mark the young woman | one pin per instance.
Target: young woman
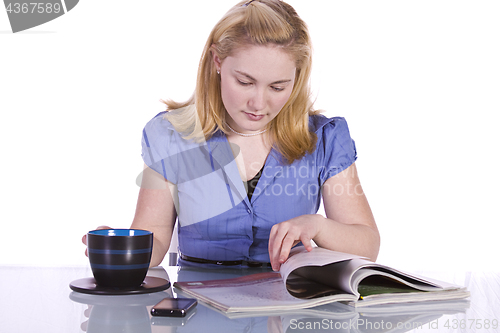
(242, 166)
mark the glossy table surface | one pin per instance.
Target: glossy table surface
(38, 299)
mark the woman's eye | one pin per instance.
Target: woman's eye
(244, 83)
(278, 88)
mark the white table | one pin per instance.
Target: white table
(38, 299)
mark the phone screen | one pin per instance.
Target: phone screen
(173, 307)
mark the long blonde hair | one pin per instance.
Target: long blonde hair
(257, 22)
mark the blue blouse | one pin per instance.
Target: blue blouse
(216, 219)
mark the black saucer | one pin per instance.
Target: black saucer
(150, 285)
(119, 300)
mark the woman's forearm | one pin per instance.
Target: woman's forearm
(357, 239)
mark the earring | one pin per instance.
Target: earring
(218, 72)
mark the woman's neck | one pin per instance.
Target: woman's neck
(251, 153)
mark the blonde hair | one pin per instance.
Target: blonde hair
(258, 22)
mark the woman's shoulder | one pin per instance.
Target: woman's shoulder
(159, 134)
(162, 126)
(159, 122)
(335, 149)
(322, 125)
(167, 131)
(180, 122)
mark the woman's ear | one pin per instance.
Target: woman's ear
(215, 58)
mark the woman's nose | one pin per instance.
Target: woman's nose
(257, 101)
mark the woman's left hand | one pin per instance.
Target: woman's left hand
(348, 227)
(287, 234)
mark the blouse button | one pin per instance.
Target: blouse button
(249, 211)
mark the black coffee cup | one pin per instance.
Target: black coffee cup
(119, 258)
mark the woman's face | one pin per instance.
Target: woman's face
(256, 82)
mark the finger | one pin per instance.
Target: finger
(272, 238)
(84, 325)
(103, 227)
(306, 241)
(278, 233)
(84, 238)
(87, 312)
(286, 246)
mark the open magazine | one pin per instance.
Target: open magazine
(309, 279)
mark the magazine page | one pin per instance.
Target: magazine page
(300, 257)
(256, 292)
(326, 270)
(301, 286)
(441, 306)
(334, 310)
(330, 276)
(379, 284)
(366, 269)
(262, 289)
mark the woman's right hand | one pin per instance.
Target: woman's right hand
(84, 238)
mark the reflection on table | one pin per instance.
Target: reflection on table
(133, 313)
(53, 307)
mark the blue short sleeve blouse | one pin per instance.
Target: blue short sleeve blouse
(216, 219)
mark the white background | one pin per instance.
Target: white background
(417, 81)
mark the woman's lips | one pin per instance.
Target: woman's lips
(254, 117)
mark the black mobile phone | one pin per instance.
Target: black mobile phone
(172, 321)
(173, 307)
